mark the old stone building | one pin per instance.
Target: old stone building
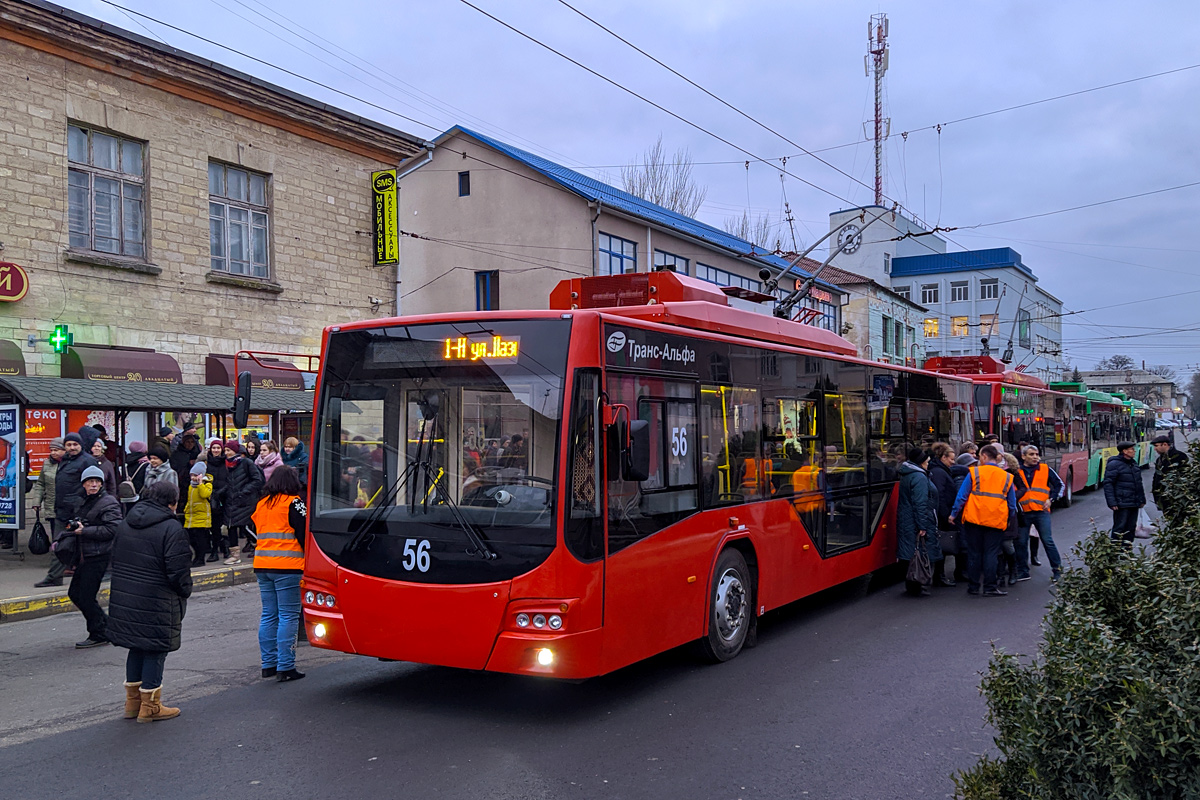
(157, 200)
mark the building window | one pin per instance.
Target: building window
(903, 291)
(487, 290)
(106, 192)
(987, 325)
(959, 291)
(931, 327)
(1023, 327)
(989, 289)
(617, 256)
(725, 278)
(899, 338)
(929, 293)
(887, 263)
(464, 184)
(238, 221)
(887, 335)
(670, 262)
(960, 326)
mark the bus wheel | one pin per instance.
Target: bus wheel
(731, 612)
(1065, 502)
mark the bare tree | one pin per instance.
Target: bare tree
(665, 182)
(756, 231)
(1163, 371)
(1116, 362)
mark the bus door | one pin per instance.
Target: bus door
(656, 568)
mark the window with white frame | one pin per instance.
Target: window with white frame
(723, 277)
(959, 290)
(238, 221)
(904, 291)
(989, 289)
(671, 262)
(929, 293)
(617, 255)
(960, 326)
(106, 192)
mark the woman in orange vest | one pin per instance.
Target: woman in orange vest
(985, 504)
(281, 521)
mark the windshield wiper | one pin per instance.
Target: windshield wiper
(361, 532)
(478, 545)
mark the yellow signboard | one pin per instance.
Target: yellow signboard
(385, 193)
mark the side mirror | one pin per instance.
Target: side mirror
(636, 466)
(241, 403)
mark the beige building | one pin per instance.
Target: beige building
(158, 200)
(497, 227)
(1138, 384)
(883, 325)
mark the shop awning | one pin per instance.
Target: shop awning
(39, 392)
(12, 360)
(127, 364)
(221, 371)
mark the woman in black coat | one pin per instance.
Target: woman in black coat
(151, 581)
(215, 460)
(244, 483)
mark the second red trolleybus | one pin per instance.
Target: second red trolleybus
(566, 492)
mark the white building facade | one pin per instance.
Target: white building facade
(971, 295)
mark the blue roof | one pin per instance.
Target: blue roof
(995, 258)
(612, 197)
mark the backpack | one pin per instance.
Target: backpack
(126, 491)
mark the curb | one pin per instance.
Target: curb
(19, 608)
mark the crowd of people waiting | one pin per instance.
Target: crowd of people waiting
(177, 507)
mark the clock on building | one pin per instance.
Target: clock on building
(850, 238)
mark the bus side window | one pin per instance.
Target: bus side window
(638, 509)
(584, 534)
(732, 468)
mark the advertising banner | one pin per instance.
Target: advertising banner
(385, 202)
(12, 489)
(41, 425)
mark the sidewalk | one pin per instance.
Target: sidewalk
(20, 600)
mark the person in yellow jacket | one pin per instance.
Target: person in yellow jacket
(197, 512)
(280, 521)
(986, 502)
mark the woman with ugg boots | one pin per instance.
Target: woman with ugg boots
(151, 581)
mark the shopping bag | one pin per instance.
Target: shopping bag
(39, 540)
(1144, 529)
(920, 571)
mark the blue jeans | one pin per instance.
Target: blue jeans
(1041, 521)
(144, 666)
(280, 619)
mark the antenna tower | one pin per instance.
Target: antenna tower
(876, 61)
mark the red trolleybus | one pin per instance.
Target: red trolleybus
(566, 492)
(1021, 408)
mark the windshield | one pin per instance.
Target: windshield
(441, 438)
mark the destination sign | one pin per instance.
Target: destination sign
(494, 348)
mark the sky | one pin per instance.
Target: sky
(1125, 267)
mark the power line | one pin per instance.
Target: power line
(1086, 205)
(265, 63)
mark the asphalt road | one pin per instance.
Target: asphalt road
(858, 693)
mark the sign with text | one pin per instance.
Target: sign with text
(41, 425)
(14, 282)
(386, 206)
(12, 486)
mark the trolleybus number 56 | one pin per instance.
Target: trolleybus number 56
(416, 555)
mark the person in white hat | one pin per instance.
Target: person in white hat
(94, 526)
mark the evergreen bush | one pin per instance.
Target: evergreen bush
(1110, 708)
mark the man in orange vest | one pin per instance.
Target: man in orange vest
(1037, 487)
(985, 503)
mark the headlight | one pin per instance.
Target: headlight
(545, 657)
(555, 622)
(329, 601)
(320, 599)
(319, 630)
(309, 597)
(539, 620)
(522, 620)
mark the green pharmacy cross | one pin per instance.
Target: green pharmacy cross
(61, 339)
